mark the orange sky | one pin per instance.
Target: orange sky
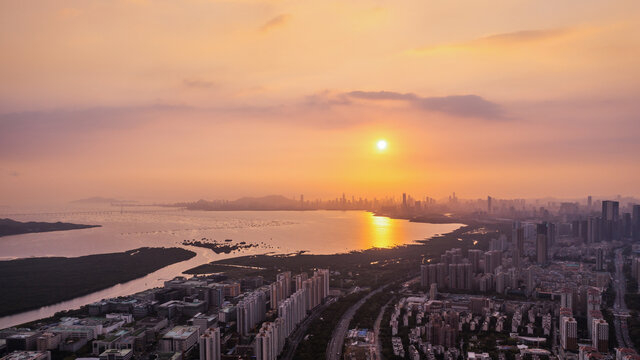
(178, 100)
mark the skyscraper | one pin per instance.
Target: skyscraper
(599, 259)
(517, 244)
(210, 344)
(593, 230)
(600, 335)
(541, 244)
(635, 219)
(569, 333)
(433, 291)
(610, 226)
(474, 256)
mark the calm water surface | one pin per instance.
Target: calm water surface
(318, 232)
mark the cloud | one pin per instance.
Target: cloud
(519, 37)
(198, 83)
(275, 22)
(509, 39)
(458, 105)
(13, 174)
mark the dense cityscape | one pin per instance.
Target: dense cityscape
(554, 282)
(319, 180)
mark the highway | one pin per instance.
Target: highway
(334, 348)
(376, 331)
(620, 311)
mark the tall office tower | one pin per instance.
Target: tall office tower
(404, 200)
(461, 276)
(517, 246)
(309, 301)
(428, 274)
(589, 203)
(292, 311)
(270, 341)
(276, 296)
(600, 335)
(285, 278)
(541, 244)
(500, 282)
(583, 231)
(210, 344)
(593, 235)
(216, 295)
(626, 226)
(242, 323)
(492, 259)
(566, 298)
(299, 279)
(433, 274)
(445, 258)
(442, 275)
(551, 235)
(635, 228)
(468, 276)
(489, 204)
(599, 259)
(610, 221)
(453, 276)
(433, 291)
(569, 333)
(424, 275)
(474, 258)
(531, 279)
(324, 275)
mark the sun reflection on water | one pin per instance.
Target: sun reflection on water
(382, 232)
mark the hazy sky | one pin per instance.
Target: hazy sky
(180, 100)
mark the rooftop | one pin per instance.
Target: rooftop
(25, 355)
(181, 332)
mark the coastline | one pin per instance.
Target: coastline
(411, 255)
(10, 227)
(26, 282)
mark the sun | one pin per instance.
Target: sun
(382, 145)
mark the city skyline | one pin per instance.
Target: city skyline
(206, 99)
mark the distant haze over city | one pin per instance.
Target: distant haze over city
(220, 100)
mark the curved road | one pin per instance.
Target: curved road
(376, 330)
(334, 348)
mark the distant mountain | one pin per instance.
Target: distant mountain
(12, 227)
(100, 200)
(270, 202)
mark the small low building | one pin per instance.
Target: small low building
(117, 354)
(28, 355)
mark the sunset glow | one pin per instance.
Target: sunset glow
(168, 101)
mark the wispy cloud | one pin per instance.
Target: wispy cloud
(508, 39)
(524, 36)
(458, 105)
(275, 22)
(198, 83)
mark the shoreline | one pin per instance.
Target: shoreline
(434, 244)
(10, 227)
(46, 276)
